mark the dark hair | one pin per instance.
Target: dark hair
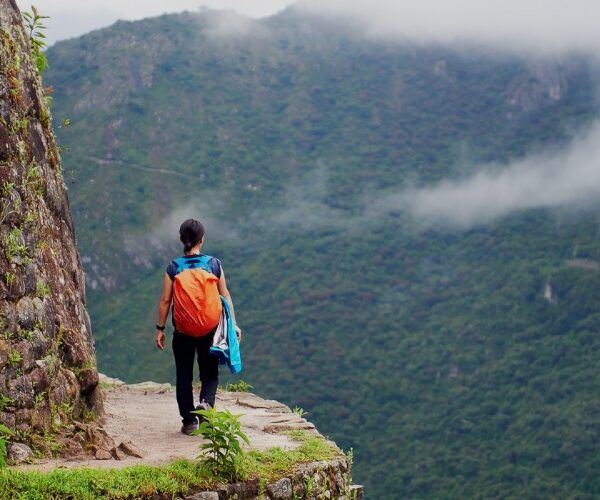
(190, 233)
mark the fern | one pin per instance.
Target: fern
(34, 22)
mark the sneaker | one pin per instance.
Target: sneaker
(202, 406)
(187, 429)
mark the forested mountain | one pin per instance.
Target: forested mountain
(457, 362)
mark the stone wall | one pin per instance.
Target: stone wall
(47, 362)
(319, 480)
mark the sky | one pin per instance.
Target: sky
(70, 18)
(535, 25)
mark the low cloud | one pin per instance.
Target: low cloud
(229, 24)
(304, 206)
(553, 26)
(567, 178)
(163, 242)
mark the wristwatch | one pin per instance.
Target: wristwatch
(161, 328)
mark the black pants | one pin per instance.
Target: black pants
(184, 350)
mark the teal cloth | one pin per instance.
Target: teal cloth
(230, 355)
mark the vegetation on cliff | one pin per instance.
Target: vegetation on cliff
(47, 364)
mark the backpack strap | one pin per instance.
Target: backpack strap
(198, 262)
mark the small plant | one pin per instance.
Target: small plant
(5, 434)
(350, 457)
(13, 247)
(9, 278)
(34, 22)
(40, 245)
(39, 399)
(309, 485)
(223, 452)
(7, 188)
(33, 179)
(5, 402)
(239, 386)
(88, 415)
(299, 411)
(25, 334)
(45, 114)
(30, 217)
(42, 289)
(14, 357)
(59, 415)
(19, 126)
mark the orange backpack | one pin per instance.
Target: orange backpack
(196, 301)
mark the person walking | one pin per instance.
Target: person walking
(193, 285)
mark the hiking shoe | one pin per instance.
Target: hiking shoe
(202, 406)
(187, 429)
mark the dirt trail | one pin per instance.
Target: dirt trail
(146, 414)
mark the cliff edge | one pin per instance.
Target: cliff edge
(289, 458)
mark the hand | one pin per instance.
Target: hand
(238, 331)
(160, 339)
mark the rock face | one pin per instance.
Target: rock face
(47, 363)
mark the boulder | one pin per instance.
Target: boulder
(280, 490)
(130, 449)
(103, 454)
(19, 453)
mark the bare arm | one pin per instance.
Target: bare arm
(163, 310)
(224, 291)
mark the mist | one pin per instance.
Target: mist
(554, 179)
(549, 27)
(567, 178)
(163, 240)
(229, 24)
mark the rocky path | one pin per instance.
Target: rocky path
(146, 415)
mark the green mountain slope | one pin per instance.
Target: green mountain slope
(432, 352)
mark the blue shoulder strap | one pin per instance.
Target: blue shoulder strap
(199, 262)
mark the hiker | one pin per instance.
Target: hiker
(194, 284)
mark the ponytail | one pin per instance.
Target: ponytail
(191, 233)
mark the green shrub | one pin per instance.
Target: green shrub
(5, 402)
(42, 289)
(239, 386)
(223, 452)
(14, 357)
(298, 410)
(5, 433)
(13, 247)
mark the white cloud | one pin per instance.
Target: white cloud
(566, 178)
(231, 24)
(569, 178)
(536, 25)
